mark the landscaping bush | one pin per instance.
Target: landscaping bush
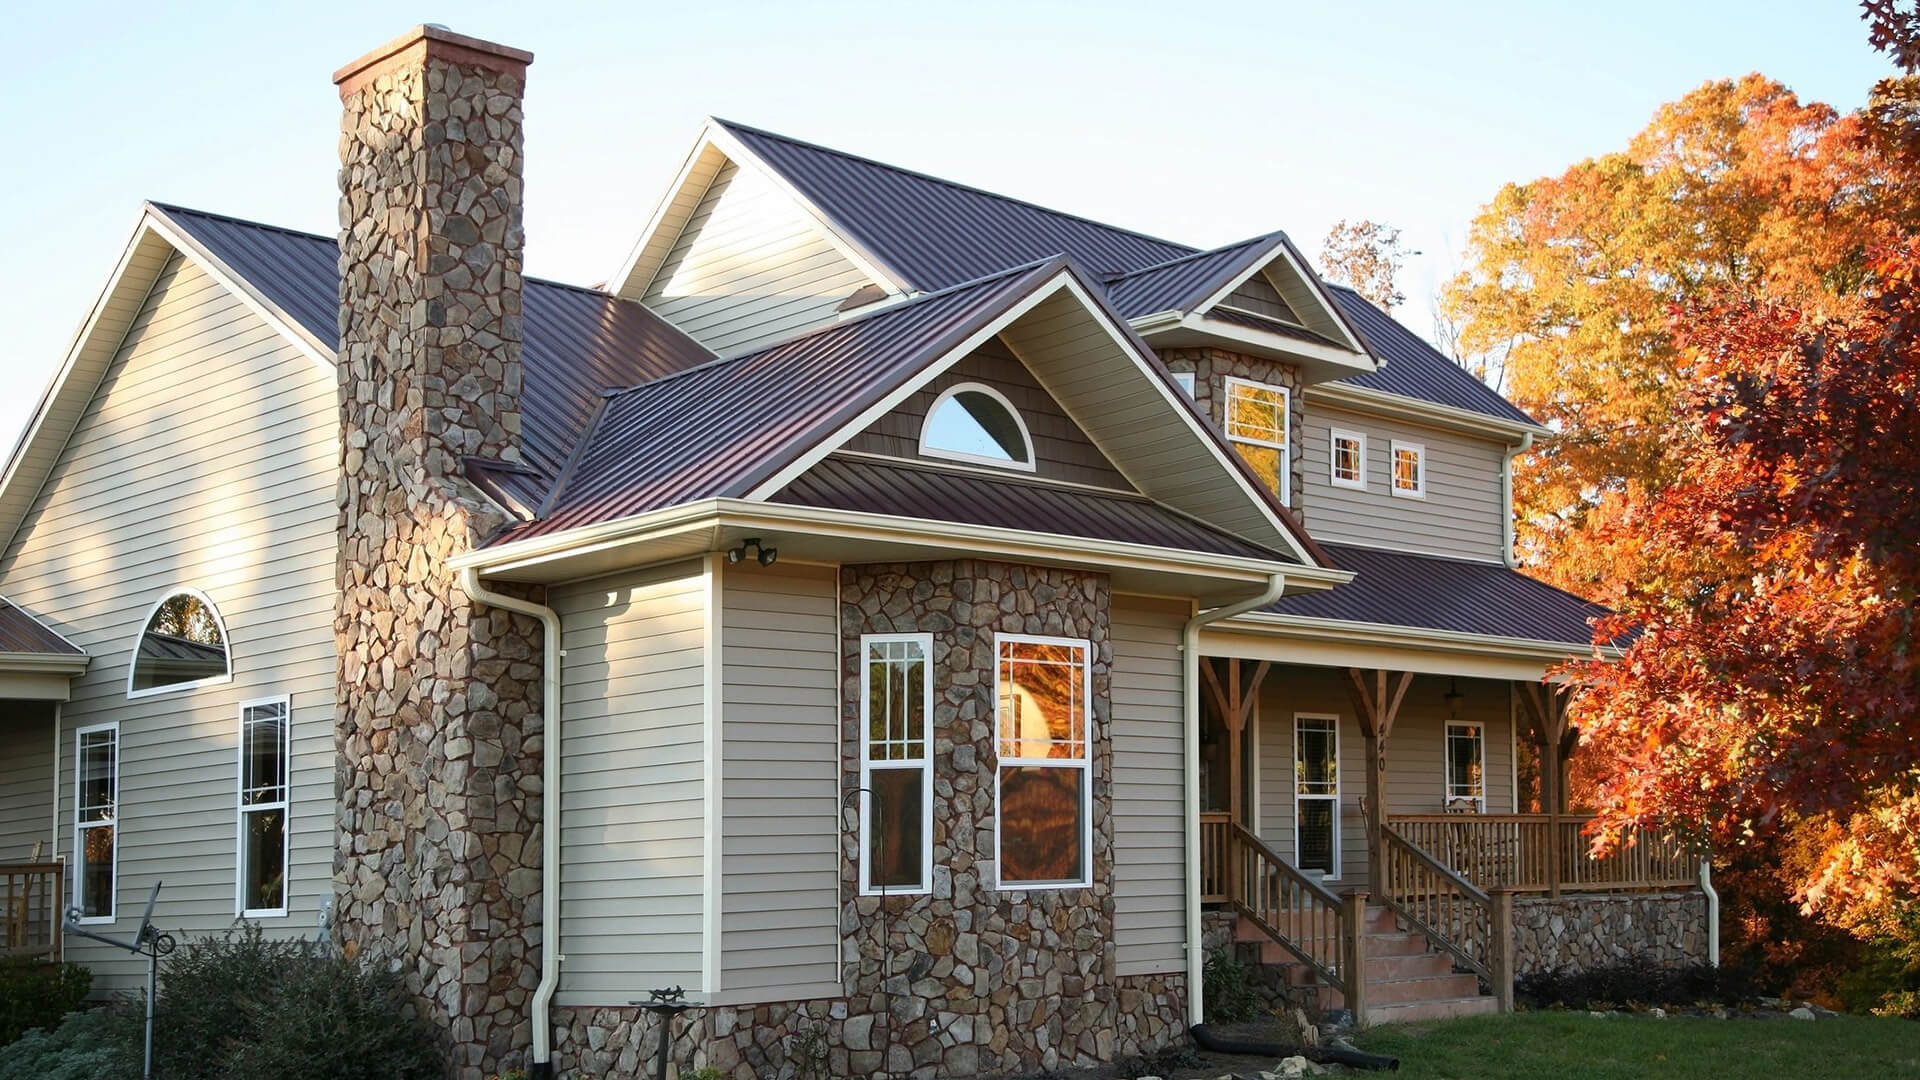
(241, 1006)
(1229, 988)
(1639, 981)
(98, 1044)
(36, 994)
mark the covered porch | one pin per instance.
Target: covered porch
(37, 666)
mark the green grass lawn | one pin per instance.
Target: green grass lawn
(1576, 1046)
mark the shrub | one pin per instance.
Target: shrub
(241, 1006)
(36, 994)
(1229, 989)
(99, 1044)
(1638, 980)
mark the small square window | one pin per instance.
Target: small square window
(1348, 453)
(1409, 470)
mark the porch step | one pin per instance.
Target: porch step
(1407, 979)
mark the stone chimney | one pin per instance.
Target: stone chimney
(437, 855)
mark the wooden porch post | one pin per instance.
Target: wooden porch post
(1235, 703)
(1546, 706)
(1353, 920)
(1376, 702)
(1502, 959)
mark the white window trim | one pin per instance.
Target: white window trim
(1286, 429)
(285, 806)
(1359, 438)
(1026, 437)
(1446, 765)
(1339, 779)
(79, 865)
(1186, 381)
(133, 658)
(1393, 469)
(1084, 764)
(925, 765)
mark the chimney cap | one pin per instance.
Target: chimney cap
(435, 40)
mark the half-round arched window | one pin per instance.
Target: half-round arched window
(976, 423)
(182, 644)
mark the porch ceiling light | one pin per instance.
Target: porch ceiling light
(1454, 698)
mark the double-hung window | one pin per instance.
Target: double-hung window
(96, 820)
(1347, 451)
(1043, 778)
(1466, 772)
(1409, 470)
(896, 766)
(264, 745)
(1257, 427)
(1316, 800)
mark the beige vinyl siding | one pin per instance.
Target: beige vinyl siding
(1459, 518)
(750, 267)
(1415, 778)
(1149, 826)
(207, 459)
(780, 779)
(1061, 450)
(26, 779)
(633, 787)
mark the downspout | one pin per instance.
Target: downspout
(1190, 710)
(1713, 912)
(542, 1067)
(1506, 500)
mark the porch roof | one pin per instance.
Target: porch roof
(1393, 588)
(22, 635)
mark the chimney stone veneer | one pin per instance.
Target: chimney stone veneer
(437, 856)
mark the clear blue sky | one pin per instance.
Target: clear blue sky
(1198, 122)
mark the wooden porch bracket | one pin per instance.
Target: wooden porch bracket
(1546, 709)
(1376, 702)
(1234, 704)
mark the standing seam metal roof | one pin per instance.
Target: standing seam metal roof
(20, 632)
(578, 342)
(936, 232)
(1178, 284)
(1399, 589)
(939, 495)
(718, 430)
(1412, 368)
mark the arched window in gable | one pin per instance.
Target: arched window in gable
(183, 644)
(975, 423)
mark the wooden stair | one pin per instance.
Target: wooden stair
(1407, 979)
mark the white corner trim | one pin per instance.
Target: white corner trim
(712, 796)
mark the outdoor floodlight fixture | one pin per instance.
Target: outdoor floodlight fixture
(766, 555)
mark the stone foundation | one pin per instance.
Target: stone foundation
(1582, 932)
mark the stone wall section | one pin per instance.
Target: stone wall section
(438, 725)
(1212, 367)
(1584, 932)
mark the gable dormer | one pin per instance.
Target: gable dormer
(735, 259)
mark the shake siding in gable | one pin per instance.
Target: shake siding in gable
(206, 459)
(780, 775)
(1149, 839)
(633, 787)
(1459, 518)
(750, 267)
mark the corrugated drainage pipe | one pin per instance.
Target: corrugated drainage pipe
(1190, 713)
(542, 1066)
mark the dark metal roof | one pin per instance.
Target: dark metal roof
(579, 342)
(20, 632)
(938, 233)
(1178, 284)
(157, 646)
(1272, 326)
(1412, 368)
(719, 430)
(1393, 588)
(917, 491)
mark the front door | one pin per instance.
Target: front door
(1316, 801)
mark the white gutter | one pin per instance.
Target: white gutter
(1190, 713)
(1713, 912)
(1506, 501)
(1432, 413)
(549, 811)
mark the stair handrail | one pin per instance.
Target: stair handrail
(1262, 886)
(1447, 909)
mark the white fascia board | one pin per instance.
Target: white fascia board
(44, 663)
(1430, 413)
(713, 515)
(316, 350)
(1200, 323)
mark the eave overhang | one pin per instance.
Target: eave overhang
(1318, 363)
(1336, 642)
(1430, 413)
(813, 534)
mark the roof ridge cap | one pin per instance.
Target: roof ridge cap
(955, 184)
(1148, 269)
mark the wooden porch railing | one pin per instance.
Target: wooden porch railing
(30, 897)
(1440, 904)
(1545, 853)
(1323, 931)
